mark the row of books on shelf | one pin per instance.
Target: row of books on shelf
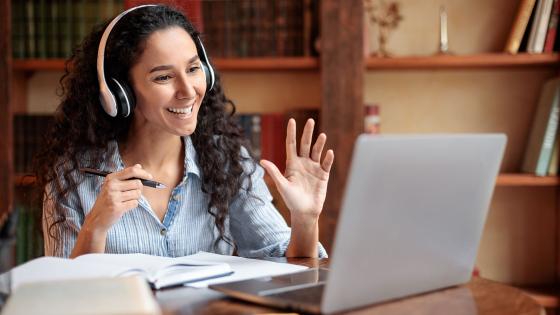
(52, 28)
(535, 27)
(241, 28)
(541, 153)
(247, 28)
(265, 134)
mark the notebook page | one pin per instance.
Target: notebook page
(243, 268)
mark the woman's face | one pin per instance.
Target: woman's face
(169, 83)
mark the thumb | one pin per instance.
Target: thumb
(274, 172)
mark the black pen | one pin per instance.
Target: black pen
(145, 182)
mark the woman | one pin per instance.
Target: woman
(180, 133)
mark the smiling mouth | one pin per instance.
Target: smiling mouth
(184, 110)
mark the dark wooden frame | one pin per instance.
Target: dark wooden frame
(342, 84)
(6, 139)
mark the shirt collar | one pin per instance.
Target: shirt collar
(191, 159)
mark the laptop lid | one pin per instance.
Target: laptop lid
(412, 216)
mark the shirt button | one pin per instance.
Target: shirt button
(163, 231)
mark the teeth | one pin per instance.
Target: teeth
(187, 110)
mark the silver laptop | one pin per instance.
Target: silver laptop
(411, 221)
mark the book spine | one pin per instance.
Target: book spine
(18, 29)
(273, 145)
(78, 23)
(552, 26)
(30, 47)
(65, 27)
(553, 166)
(519, 25)
(549, 138)
(539, 27)
(52, 29)
(41, 28)
(281, 27)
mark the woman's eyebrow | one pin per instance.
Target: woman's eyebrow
(167, 67)
(162, 67)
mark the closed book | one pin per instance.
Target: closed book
(519, 25)
(539, 27)
(552, 26)
(104, 296)
(543, 131)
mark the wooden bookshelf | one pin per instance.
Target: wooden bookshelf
(22, 180)
(223, 64)
(518, 179)
(488, 60)
(547, 295)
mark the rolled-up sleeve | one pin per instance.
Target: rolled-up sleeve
(62, 220)
(256, 225)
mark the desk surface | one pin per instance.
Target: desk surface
(479, 296)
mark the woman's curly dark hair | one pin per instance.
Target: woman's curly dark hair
(81, 126)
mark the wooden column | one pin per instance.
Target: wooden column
(342, 77)
(6, 165)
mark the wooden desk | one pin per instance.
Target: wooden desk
(479, 296)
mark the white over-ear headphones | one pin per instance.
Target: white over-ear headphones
(115, 96)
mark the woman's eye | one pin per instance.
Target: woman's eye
(162, 78)
(194, 68)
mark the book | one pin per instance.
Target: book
(539, 27)
(553, 165)
(159, 272)
(552, 28)
(128, 295)
(519, 25)
(544, 130)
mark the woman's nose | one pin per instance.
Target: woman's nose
(185, 88)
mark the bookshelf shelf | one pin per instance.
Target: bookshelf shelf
(223, 64)
(503, 180)
(511, 179)
(489, 60)
(23, 180)
(546, 295)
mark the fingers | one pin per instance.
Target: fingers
(328, 161)
(135, 171)
(318, 147)
(306, 138)
(129, 195)
(274, 172)
(291, 150)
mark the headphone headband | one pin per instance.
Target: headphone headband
(107, 98)
(124, 96)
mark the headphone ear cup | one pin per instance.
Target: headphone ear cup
(124, 97)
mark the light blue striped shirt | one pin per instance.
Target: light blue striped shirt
(255, 225)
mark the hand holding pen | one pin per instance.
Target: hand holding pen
(119, 193)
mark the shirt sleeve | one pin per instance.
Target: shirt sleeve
(60, 226)
(256, 225)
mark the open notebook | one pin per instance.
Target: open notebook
(160, 272)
